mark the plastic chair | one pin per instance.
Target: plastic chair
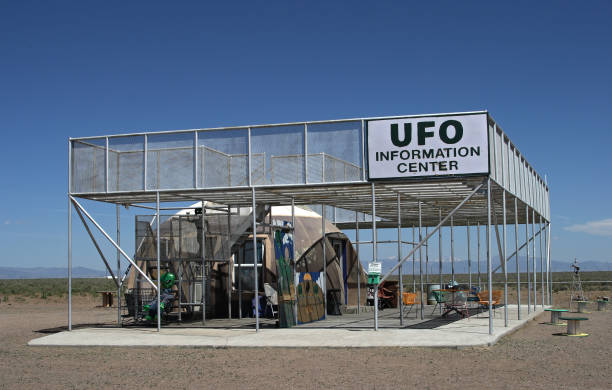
(483, 300)
(440, 298)
(408, 301)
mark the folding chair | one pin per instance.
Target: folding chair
(408, 301)
(440, 298)
(271, 300)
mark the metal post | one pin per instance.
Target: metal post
(543, 287)
(256, 292)
(158, 262)
(293, 263)
(426, 259)
(550, 265)
(203, 250)
(527, 259)
(469, 253)
(229, 263)
(399, 258)
(374, 253)
(118, 268)
(489, 273)
(421, 261)
(504, 260)
(535, 274)
(440, 252)
(452, 250)
(324, 243)
(518, 268)
(69, 263)
(413, 278)
(478, 255)
(358, 263)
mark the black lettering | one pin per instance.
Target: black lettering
(463, 151)
(423, 167)
(404, 155)
(444, 131)
(428, 153)
(422, 133)
(407, 135)
(401, 167)
(475, 151)
(453, 165)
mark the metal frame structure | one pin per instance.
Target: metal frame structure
(428, 202)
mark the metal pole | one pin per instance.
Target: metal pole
(229, 262)
(489, 273)
(413, 262)
(295, 310)
(535, 274)
(426, 259)
(504, 260)
(399, 258)
(203, 250)
(421, 261)
(374, 253)
(439, 251)
(518, 268)
(256, 292)
(358, 263)
(469, 253)
(550, 266)
(452, 251)
(158, 262)
(324, 243)
(118, 268)
(527, 259)
(543, 287)
(478, 255)
(69, 264)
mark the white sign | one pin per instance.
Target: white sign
(428, 146)
(374, 267)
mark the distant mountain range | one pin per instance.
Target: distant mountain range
(461, 266)
(48, 273)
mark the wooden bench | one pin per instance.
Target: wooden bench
(573, 325)
(554, 316)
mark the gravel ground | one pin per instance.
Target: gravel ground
(532, 357)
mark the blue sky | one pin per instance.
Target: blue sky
(90, 68)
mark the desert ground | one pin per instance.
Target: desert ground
(532, 357)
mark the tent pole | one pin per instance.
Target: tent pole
(399, 258)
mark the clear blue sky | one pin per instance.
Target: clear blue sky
(90, 68)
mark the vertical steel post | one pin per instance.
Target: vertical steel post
(469, 254)
(203, 253)
(159, 314)
(535, 274)
(324, 243)
(452, 249)
(478, 255)
(489, 273)
(505, 260)
(543, 287)
(527, 270)
(413, 261)
(516, 258)
(119, 282)
(293, 263)
(426, 259)
(440, 251)
(358, 263)
(70, 235)
(550, 270)
(421, 261)
(256, 291)
(374, 253)
(229, 263)
(399, 258)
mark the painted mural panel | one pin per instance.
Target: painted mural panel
(283, 249)
(310, 302)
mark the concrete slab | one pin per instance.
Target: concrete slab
(462, 333)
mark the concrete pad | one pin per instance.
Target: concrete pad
(468, 332)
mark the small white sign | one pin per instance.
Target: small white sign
(374, 267)
(428, 146)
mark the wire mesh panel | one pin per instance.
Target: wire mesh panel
(88, 165)
(334, 152)
(126, 163)
(170, 161)
(279, 141)
(223, 157)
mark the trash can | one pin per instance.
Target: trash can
(431, 299)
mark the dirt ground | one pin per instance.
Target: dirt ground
(532, 357)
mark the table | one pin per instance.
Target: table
(453, 302)
(601, 304)
(573, 325)
(554, 316)
(582, 306)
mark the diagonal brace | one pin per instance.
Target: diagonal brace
(78, 206)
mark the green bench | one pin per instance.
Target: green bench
(554, 316)
(573, 325)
